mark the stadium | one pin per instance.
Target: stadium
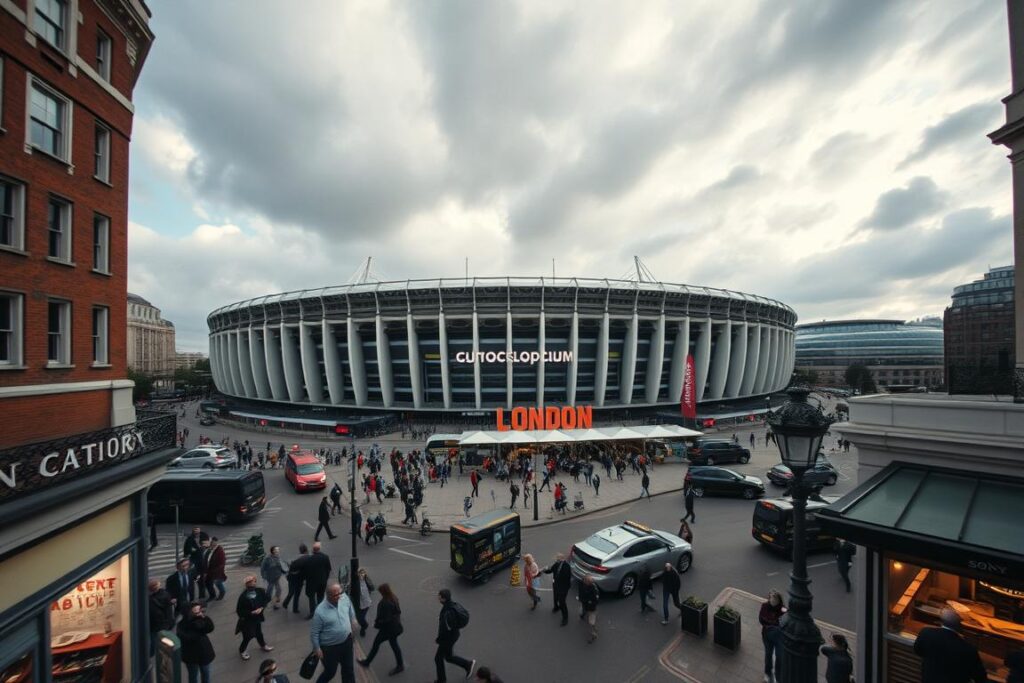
(482, 343)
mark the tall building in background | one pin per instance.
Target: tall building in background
(150, 340)
(75, 459)
(979, 324)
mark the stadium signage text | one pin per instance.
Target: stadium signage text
(568, 417)
(530, 357)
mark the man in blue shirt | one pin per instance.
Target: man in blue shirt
(331, 635)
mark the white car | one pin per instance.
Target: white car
(207, 457)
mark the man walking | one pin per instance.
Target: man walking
(547, 480)
(752, 439)
(296, 575)
(844, 557)
(945, 655)
(336, 499)
(450, 621)
(595, 479)
(325, 521)
(644, 483)
(645, 587)
(474, 479)
(514, 490)
(670, 584)
(317, 571)
(214, 567)
(588, 597)
(181, 586)
(331, 635)
(561, 574)
(688, 498)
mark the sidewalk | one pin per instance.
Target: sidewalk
(699, 660)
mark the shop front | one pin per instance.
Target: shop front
(73, 554)
(935, 538)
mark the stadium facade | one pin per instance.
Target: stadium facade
(464, 344)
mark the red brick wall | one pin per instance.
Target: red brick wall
(32, 274)
(41, 418)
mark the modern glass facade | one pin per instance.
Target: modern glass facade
(979, 323)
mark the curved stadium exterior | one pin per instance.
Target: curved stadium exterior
(464, 344)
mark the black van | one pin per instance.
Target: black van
(484, 544)
(773, 524)
(220, 497)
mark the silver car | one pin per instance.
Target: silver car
(208, 457)
(615, 556)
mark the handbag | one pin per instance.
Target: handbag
(308, 667)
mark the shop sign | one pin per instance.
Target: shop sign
(568, 417)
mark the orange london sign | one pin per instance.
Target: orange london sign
(523, 419)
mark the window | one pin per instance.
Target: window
(12, 214)
(10, 328)
(103, 54)
(48, 122)
(58, 223)
(101, 154)
(50, 21)
(100, 243)
(100, 336)
(58, 346)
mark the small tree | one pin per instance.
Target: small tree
(805, 376)
(143, 385)
(859, 377)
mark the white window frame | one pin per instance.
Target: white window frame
(62, 25)
(16, 302)
(63, 334)
(66, 251)
(100, 336)
(64, 152)
(17, 215)
(101, 153)
(101, 246)
(104, 53)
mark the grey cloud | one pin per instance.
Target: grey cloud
(901, 207)
(968, 124)
(840, 154)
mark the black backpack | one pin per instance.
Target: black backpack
(461, 615)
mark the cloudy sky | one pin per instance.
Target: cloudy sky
(830, 154)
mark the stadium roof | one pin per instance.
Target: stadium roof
(577, 435)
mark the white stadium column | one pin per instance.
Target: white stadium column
(476, 361)
(574, 349)
(357, 368)
(787, 357)
(246, 365)
(259, 363)
(310, 364)
(601, 367)
(216, 363)
(292, 365)
(272, 353)
(737, 360)
(780, 379)
(627, 369)
(720, 360)
(415, 369)
(236, 374)
(387, 385)
(541, 343)
(332, 364)
(655, 362)
(764, 360)
(680, 349)
(753, 354)
(446, 382)
(702, 360)
(792, 354)
(509, 375)
(776, 353)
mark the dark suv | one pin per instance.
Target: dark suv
(716, 451)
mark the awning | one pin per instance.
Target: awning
(960, 518)
(577, 435)
(283, 418)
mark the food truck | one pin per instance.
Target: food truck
(483, 544)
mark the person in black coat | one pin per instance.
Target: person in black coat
(295, 576)
(945, 656)
(844, 557)
(670, 584)
(194, 543)
(561, 574)
(588, 597)
(688, 497)
(389, 626)
(840, 664)
(181, 586)
(161, 613)
(316, 572)
(196, 649)
(249, 608)
(335, 499)
(643, 587)
(324, 515)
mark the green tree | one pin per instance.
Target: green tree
(859, 377)
(805, 376)
(143, 385)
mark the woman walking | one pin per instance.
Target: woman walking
(389, 626)
(769, 616)
(268, 673)
(272, 569)
(365, 601)
(685, 532)
(249, 608)
(531, 570)
(196, 649)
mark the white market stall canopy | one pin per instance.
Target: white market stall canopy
(577, 435)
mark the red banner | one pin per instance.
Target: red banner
(688, 401)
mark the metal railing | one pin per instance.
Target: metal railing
(985, 381)
(31, 468)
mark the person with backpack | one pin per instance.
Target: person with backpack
(588, 597)
(451, 620)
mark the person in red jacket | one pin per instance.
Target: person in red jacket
(215, 562)
(474, 479)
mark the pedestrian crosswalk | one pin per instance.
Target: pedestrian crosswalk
(161, 560)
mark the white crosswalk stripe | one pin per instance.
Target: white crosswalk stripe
(161, 560)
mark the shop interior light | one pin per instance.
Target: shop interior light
(167, 642)
(1010, 592)
(897, 566)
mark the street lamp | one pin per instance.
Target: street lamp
(799, 429)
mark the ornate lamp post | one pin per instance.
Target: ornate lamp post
(799, 428)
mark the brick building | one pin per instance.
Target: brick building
(76, 460)
(979, 324)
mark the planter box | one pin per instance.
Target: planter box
(727, 633)
(695, 620)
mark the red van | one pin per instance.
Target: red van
(304, 472)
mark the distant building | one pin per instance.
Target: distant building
(150, 339)
(979, 324)
(896, 353)
(188, 359)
